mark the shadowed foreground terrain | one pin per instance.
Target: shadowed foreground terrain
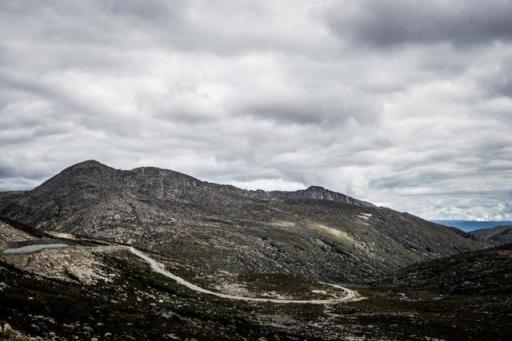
(463, 297)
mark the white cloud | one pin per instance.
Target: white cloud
(269, 185)
(264, 94)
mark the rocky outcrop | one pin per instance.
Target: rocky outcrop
(320, 193)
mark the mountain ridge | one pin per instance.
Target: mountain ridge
(315, 231)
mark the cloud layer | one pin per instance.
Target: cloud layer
(401, 22)
(404, 103)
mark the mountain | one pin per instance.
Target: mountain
(498, 234)
(313, 232)
(470, 225)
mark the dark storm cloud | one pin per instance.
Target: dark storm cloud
(273, 95)
(310, 111)
(389, 23)
(497, 81)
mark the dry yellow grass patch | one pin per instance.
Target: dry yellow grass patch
(333, 232)
(282, 223)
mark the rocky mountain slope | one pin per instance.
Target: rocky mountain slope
(465, 296)
(500, 234)
(314, 232)
(482, 272)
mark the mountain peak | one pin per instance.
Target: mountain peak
(318, 192)
(76, 178)
(88, 164)
(321, 193)
(315, 188)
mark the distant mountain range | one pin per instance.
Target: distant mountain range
(313, 232)
(470, 225)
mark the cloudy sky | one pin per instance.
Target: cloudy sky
(404, 103)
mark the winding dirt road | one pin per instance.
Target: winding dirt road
(350, 295)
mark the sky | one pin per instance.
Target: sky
(404, 103)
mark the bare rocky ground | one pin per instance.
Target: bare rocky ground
(75, 263)
(127, 301)
(9, 235)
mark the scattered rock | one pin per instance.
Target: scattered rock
(7, 329)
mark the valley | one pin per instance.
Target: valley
(163, 256)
